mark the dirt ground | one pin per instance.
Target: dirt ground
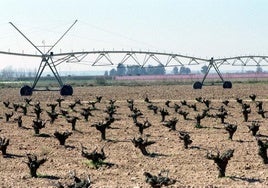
(189, 167)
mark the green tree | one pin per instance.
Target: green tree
(133, 70)
(159, 70)
(113, 72)
(185, 70)
(259, 69)
(106, 73)
(204, 69)
(121, 69)
(149, 70)
(175, 70)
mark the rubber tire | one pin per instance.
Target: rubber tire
(66, 90)
(227, 85)
(26, 91)
(197, 85)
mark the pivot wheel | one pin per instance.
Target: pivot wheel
(227, 85)
(66, 90)
(197, 85)
(26, 91)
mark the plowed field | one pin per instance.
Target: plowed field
(189, 167)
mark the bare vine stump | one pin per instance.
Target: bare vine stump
(94, 156)
(198, 120)
(6, 103)
(252, 97)
(53, 116)
(37, 125)
(72, 105)
(176, 107)
(262, 113)
(184, 114)
(146, 124)
(184, 103)
(8, 116)
(3, 145)
(59, 100)
(98, 99)
(130, 104)
(159, 180)
(153, 108)
(225, 102)
(245, 115)
(34, 164)
(136, 113)
(92, 103)
(259, 105)
(221, 160)
(222, 116)
(263, 146)
(77, 182)
(164, 113)
(231, 130)
(72, 120)
(64, 112)
(167, 103)
(193, 106)
(16, 107)
(238, 100)
(171, 123)
(147, 100)
(86, 113)
(24, 109)
(28, 101)
(62, 136)
(112, 109)
(37, 110)
(245, 111)
(101, 126)
(186, 139)
(52, 106)
(254, 128)
(207, 102)
(19, 120)
(199, 99)
(97, 158)
(142, 144)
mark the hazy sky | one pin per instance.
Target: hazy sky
(202, 28)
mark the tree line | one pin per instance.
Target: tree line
(129, 70)
(121, 70)
(11, 73)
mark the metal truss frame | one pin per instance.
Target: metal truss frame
(52, 60)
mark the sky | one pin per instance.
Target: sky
(200, 28)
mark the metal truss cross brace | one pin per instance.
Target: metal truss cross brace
(212, 64)
(43, 64)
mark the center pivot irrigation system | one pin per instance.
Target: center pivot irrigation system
(52, 60)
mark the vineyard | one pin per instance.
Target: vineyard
(135, 136)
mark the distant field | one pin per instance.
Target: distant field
(137, 80)
(196, 77)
